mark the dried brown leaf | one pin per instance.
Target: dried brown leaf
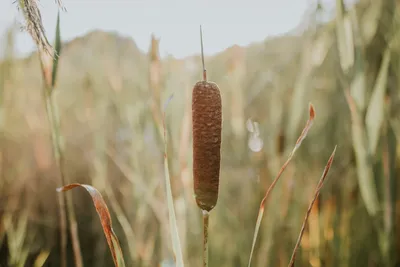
(104, 215)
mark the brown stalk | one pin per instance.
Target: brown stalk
(298, 143)
(269, 190)
(316, 194)
(206, 216)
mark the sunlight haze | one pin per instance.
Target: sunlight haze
(225, 23)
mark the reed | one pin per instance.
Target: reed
(207, 128)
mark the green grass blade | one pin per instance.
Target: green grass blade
(57, 52)
(375, 112)
(365, 173)
(344, 35)
(176, 245)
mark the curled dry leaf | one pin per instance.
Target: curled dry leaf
(104, 215)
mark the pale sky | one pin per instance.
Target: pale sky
(176, 22)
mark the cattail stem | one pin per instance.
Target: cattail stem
(207, 129)
(206, 216)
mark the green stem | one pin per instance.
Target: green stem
(53, 120)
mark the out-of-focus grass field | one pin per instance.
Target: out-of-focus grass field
(109, 96)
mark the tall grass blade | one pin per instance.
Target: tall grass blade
(176, 245)
(376, 108)
(263, 201)
(105, 219)
(316, 194)
(57, 52)
(41, 258)
(344, 35)
(365, 172)
(359, 77)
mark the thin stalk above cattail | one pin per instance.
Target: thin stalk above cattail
(207, 128)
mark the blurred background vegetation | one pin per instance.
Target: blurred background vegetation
(109, 96)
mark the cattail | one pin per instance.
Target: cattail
(207, 127)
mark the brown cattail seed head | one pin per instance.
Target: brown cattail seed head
(207, 127)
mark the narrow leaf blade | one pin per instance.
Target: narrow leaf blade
(316, 194)
(176, 245)
(376, 109)
(105, 219)
(302, 136)
(57, 52)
